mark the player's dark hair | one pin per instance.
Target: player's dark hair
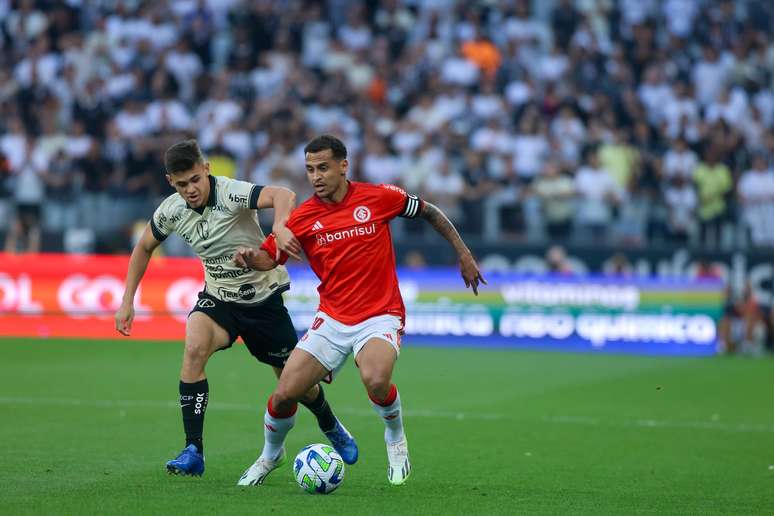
(325, 142)
(182, 156)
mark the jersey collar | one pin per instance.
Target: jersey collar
(331, 205)
(211, 199)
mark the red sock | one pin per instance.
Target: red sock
(280, 415)
(390, 399)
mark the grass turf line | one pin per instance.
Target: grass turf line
(87, 426)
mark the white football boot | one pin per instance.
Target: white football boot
(398, 457)
(257, 473)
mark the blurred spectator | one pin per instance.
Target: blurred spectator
(556, 259)
(729, 106)
(598, 195)
(569, 132)
(681, 203)
(59, 210)
(478, 185)
(95, 173)
(556, 192)
(679, 160)
(415, 260)
(410, 85)
(620, 159)
(529, 147)
(5, 191)
(564, 21)
(379, 166)
(713, 184)
(445, 187)
(742, 329)
(709, 75)
(483, 53)
(618, 266)
(756, 194)
(29, 191)
(706, 270)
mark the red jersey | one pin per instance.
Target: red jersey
(349, 247)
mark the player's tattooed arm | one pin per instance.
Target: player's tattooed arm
(441, 223)
(257, 259)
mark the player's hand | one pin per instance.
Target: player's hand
(470, 272)
(124, 318)
(287, 243)
(245, 257)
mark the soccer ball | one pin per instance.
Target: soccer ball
(318, 469)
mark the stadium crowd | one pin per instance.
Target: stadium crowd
(634, 122)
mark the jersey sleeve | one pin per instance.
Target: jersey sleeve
(161, 222)
(270, 246)
(241, 195)
(399, 203)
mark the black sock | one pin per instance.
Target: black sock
(322, 411)
(193, 403)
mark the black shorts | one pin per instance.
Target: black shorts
(266, 328)
(28, 214)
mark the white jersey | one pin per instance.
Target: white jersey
(228, 221)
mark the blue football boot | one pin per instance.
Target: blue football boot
(189, 462)
(343, 442)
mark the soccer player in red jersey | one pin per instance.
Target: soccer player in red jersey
(344, 231)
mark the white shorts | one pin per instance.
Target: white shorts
(331, 342)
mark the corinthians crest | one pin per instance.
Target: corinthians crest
(203, 229)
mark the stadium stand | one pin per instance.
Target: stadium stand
(634, 122)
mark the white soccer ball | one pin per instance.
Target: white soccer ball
(318, 469)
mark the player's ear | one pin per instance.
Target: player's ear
(207, 167)
(169, 180)
(344, 166)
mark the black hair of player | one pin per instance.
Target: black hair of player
(182, 156)
(325, 142)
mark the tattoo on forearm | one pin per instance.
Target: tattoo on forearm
(443, 225)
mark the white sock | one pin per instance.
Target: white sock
(392, 415)
(275, 429)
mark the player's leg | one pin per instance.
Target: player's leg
(301, 372)
(376, 360)
(314, 400)
(203, 337)
(270, 337)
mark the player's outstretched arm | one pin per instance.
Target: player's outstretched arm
(257, 259)
(283, 200)
(141, 255)
(468, 266)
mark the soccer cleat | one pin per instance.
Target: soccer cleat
(189, 462)
(343, 442)
(399, 467)
(257, 473)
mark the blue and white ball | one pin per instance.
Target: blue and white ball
(318, 469)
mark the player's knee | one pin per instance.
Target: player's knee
(196, 353)
(283, 400)
(310, 395)
(377, 383)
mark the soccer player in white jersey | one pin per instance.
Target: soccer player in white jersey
(215, 216)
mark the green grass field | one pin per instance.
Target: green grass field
(85, 428)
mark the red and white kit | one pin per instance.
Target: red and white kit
(349, 247)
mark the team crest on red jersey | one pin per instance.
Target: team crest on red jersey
(362, 214)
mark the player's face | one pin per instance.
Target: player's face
(327, 175)
(193, 185)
